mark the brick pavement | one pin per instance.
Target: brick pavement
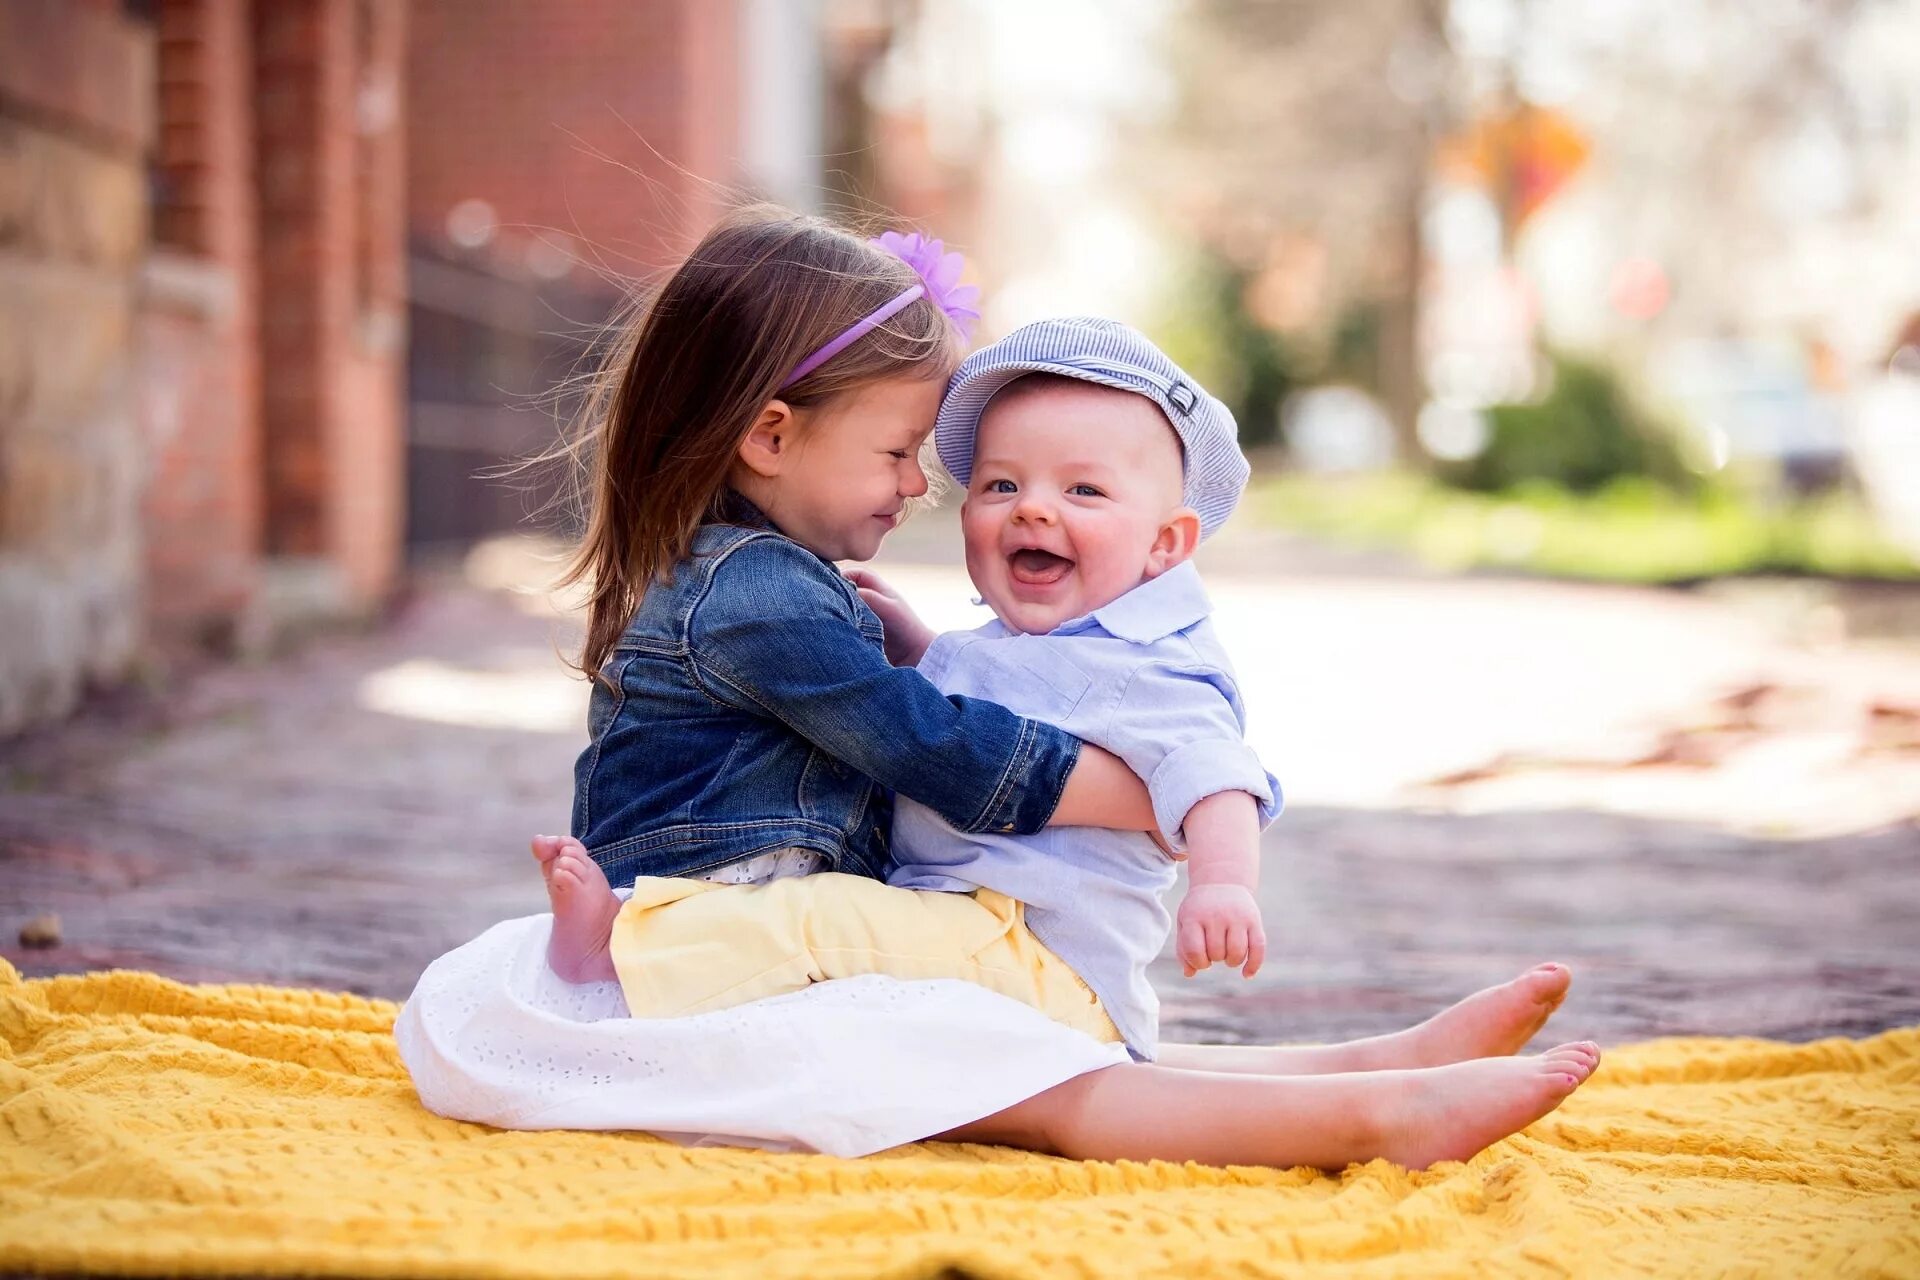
(339, 816)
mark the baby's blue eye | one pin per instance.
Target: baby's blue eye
(1086, 491)
(1000, 486)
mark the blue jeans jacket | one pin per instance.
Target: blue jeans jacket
(749, 707)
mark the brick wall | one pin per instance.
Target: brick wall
(597, 130)
(199, 367)
(603, 119)
(200, 438)
(76, 114)
(330, 147)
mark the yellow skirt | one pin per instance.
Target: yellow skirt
(691, 946)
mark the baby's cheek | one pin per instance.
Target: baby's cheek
(979, 533)
(1108, 553)
(980, 565)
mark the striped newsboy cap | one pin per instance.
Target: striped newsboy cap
(1110, 354)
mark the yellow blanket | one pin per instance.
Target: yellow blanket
(153, 1128)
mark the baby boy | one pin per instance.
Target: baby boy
(1093, 467)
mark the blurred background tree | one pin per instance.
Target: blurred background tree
(1300, 157)
(1584, 433)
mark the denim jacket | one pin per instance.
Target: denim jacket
(749, 707)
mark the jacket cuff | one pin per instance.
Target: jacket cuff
(1035, 779)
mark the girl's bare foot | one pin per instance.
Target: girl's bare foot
(1455, 1112)
(583, 910)
(1493, 1023)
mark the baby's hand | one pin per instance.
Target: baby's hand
(907, 636)
(1221, 922)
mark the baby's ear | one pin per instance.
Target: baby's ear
(1175, 543)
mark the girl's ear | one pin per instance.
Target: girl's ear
(1175, 542)
(768, 446)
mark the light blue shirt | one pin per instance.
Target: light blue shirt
(1146, 678)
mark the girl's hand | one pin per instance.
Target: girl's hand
(907, 636)
(1221, 922)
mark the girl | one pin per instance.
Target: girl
(766, 420)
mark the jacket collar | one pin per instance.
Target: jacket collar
(734, 507)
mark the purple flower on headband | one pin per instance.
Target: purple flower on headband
(939, 271)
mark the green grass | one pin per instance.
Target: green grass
(1631, 531)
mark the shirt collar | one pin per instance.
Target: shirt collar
(1153, 610)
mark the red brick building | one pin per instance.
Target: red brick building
(273, 372)
(214, 218)
(606, 123)
(202, 336)
(553, 149)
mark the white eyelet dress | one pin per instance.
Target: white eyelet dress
(847, 1068)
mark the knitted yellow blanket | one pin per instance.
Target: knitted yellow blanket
(152, 1128)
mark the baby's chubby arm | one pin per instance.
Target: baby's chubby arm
(1179, 725)
(1219, 917)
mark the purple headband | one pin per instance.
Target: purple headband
(939, 273)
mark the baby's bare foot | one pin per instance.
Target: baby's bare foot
(1492, 1023)
(583, 910)
(1457, 1111)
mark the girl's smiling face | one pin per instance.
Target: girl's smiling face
(836, 478)
(1075, 499)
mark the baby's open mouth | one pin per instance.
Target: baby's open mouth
(1038, 568)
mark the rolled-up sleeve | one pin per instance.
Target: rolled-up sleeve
(777, 636)
(1180, 728)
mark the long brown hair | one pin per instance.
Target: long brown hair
(690, 370)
